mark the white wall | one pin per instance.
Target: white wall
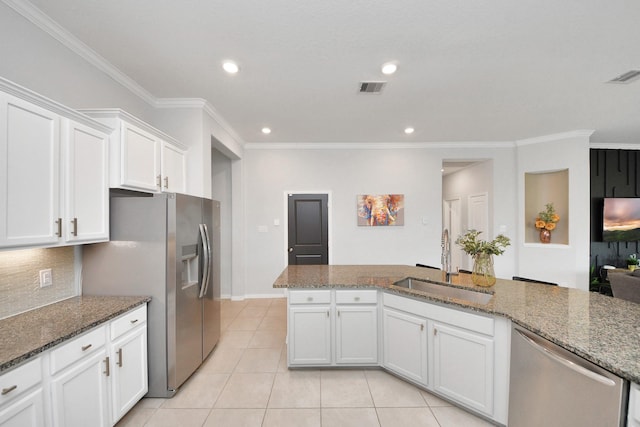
(221, 181)
(567, 265)
(345, 173)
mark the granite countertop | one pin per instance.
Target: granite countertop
(599, 328)
(27, 334)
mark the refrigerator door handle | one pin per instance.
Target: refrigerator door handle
(206, 265)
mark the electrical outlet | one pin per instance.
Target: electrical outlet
(46, 278)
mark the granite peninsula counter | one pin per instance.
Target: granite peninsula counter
(28, 334)
(601, 329)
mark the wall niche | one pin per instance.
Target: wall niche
(541, 188)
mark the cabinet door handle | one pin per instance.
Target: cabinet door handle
(327, 313)
(422, 326)
(166, 182)
(74, 222)
(106, 364)
(338, 313)
(159, 181)
(86, 347)
(119, 357)
(59, 224)
(8, 389)
(435, 332)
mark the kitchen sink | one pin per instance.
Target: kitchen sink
(442, 290)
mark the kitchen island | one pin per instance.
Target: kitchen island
(601, 329)
(452, 339)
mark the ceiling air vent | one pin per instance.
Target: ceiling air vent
(627, 77)
(371, 87)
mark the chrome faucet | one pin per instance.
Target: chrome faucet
(445, 243)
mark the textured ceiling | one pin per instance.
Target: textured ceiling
(469, 70)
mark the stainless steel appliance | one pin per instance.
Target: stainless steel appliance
(551, 386)
(165, 246)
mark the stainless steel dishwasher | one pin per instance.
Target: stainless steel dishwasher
(551, 386)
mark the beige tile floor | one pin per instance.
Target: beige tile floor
(245, 383)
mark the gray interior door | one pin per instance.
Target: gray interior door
(308, 229)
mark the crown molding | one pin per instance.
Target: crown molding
(205, 106)
(583, 133)
(25, 94)
(48, 25)
(372, 145)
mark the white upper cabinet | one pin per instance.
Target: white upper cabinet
(174, 169)
(29, 173)
(139, 159)
(86, 183)
(53, 172)
(142, 157)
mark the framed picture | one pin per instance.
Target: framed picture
(380, 210)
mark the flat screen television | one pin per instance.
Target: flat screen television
(621, 219)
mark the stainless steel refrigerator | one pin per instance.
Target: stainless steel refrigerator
(166, 246)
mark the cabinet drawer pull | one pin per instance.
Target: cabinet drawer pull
(86, 347)
(74, 222)
(309, 299)
(356, 299)
(59, 224)
(9, 389)
(119, 363)
(133, 321)
(106, 365)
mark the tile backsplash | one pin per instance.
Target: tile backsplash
(20, 279)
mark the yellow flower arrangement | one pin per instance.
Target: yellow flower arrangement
(548, 218)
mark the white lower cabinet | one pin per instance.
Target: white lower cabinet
(356, 327)
(22, 396)
(405, 344)
(129, 355)
(463, 366)
(79, 393)
(91, 380)
(333, 327)
(309, 328)
(460, 355)
(25, 412)
(356, 334)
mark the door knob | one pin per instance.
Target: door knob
(290, 249)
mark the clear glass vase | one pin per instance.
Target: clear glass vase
(483, 274)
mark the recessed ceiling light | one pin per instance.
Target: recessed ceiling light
(389, 68)
(409, 130)
(266, 130)
(230, 67)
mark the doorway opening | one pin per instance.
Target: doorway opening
(466, 202)
(308, 229)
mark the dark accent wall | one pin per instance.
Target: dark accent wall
(614, 173)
